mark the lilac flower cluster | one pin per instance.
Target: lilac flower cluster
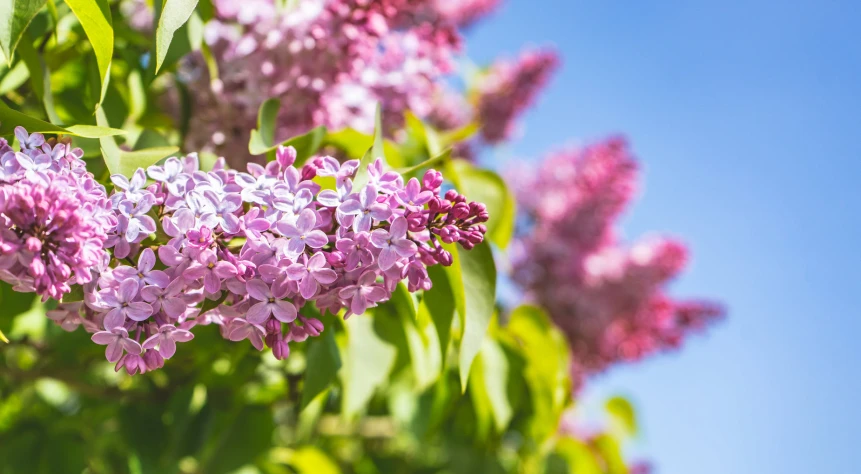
(331, 60)
(55, 216)
(243, 250)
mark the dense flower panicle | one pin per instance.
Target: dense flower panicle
(508, 88)
(246, 250)
(55, 217)
(329, 61)
(610, 300)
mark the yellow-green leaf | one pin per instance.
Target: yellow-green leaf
(487, 187)
(15, 16)
(368, 360)
(9, 119)
(95, 18)
(324, 362)
(174, 14)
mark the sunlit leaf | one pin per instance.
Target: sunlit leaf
(494, 376)
(310, 460)
(95, 17)
(16, 15)
(9, 119)
(439, 304)
(127, 162)
(485, 186)
(263, 137)
(623, 412)
(40, 78)
(174, 14)
(368, 362)
(473, 280)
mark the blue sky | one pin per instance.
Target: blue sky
(747, 118)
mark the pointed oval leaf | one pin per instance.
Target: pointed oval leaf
(174, 14)
(15, 16)
(95, 18)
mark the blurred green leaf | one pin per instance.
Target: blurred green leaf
(368, 362)
(611, 453)
(16, 16)
(578, 456)
(485, 186)
(40, 78)
(492, 373)
(95, 17)
(353, 142)
(310, 460)
(439, 304)
(473, 278)
(9, 119)
(324, 361)
(263, 137)
(442, 158)
(13, 78)
(174, 14)
(3, 338)
(623, 412)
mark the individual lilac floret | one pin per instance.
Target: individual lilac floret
(117, 340)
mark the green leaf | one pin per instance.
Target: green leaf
(420, 336)
(369, 359)
(438, 302)
(127, 162)
(486, 186)
(95, 18)
(578, 456)
(441, 158)
(353, 142)
(377, 150)
(15, 16)
(9, 119)
(623, 412)
(473, 279)
(263, 138)
(40, 78)
(174, 14)
(493, 374)
(310, 460)
(324, 361)
(3, 338)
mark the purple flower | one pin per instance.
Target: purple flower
(388, 182)
(144, 271)
(393, 243)
(365, 208)
(212, 271)
(29, 142)
(167, 300)
(341, 172)
(117, 341)
(138, 222)
(271, 302)
(223, 212)
(357, 250)
(133, 190)
(302, 233)
(311, 275)
(412, 194)
(122, 305)
(364, 293)
(201, 238)
(240, 329)
(67, 315)
(166, 338)
(171, 174)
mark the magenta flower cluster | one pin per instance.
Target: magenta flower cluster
(244, 250)
(330, 60)
(609, 299)
(55, 217)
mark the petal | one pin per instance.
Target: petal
(138, 311)
(325, 276)
(173, 307)
(316, 239)
(387, 258)
(132, 347)
(259, 313)
(296, 271)
(151, 342)
(224, 269)
(329, 198)
(104, 337)
(405, 247)
(114, 351)
(399, 228)
(350, 206)
(120, 181)
(379, 238)
(284, 311)
(157, 278)
(358, 305)
(362, 223)
(195, 272)
(181, 335)
(308, 287)
(258, 290)
(211, 283)
(306, 221)
(146, 261)
(167, 347)
(114, 319)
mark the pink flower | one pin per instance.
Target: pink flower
(117, 340)
(366, 208)
(393, 243)
(122, 305)
(302, 233)
(311, 275)
(364, 293)
(166, 338)
(211, 270)
(270, 303)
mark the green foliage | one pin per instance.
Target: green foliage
(486, 186)
(95, 17)
(377, 150)
(16, 16)
(324, 362)
(174, 14)
(9, 119)
(263, 137)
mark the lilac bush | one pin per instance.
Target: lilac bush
(244, 250)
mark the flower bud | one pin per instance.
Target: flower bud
(285, 156)
(281, 350)
(432, 180)
(313, 326)
(460, 210)
(153, 359)
(444, 258)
